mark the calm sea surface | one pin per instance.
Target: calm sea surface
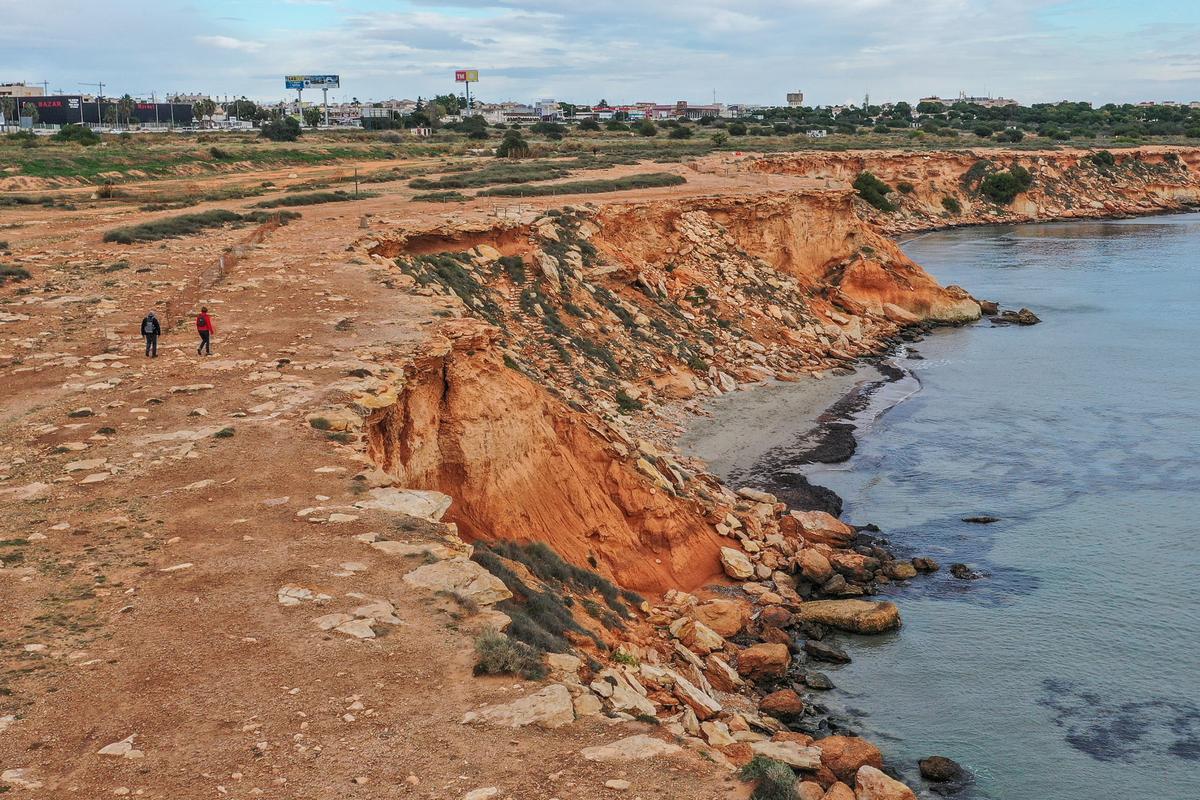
(1072, 670)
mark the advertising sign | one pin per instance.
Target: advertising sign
(311, 81)
(466, 75)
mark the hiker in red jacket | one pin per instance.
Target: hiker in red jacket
(205, 328)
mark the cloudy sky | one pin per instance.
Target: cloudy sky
(620, 50)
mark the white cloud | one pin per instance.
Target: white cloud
(230, 43)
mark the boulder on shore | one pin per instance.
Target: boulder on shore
(824, 651)
(844, 755)
(822, 527)
(855, 616)
(764, 661)
(871, 784)
(726, 617)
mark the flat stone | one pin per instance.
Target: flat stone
(485, 793)
(330, 621)
(358, 628)
(122, 749)
(460, 575)
(791, 753)
(410, 502)
(403, 549)
(736, 564)
(631, 748)
(295, 595)
(549, 708)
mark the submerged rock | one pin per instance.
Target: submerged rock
(824, 651)
(964, 573)
(940, 769)
(982, 519)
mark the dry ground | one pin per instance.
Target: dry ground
(106, 634)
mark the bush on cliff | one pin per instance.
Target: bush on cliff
(952, 205)
(874, 191)
(496, 654)
(776, 780)
(1103, 158)
(1003, 187)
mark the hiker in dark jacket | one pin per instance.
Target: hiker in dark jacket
(205, 328)
(150, 332)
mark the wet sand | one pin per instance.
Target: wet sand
(743, 427)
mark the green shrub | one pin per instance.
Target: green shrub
(79, 134)
(219, 154)
(284, 129)
(616, 125)
(514, 266)
(188, 224)
(1002, 187)
(8, 273)
(313, 198)
(905, 187)
(440, 197)
(874, 191)
(680, 132)
(983, 131)
(776, 780)
(628, 404)
(952, 205)
(1024, 177)
(737, 129)
(589, 125)
(646, 128)
(1103, 158)
(642, 181)
(497, 654)
(513, 145)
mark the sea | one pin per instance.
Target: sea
(1070, 668)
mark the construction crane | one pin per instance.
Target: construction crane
(99, 94)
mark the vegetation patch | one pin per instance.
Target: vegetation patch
(440, 197)
(311, 199)
(542, 619)
(648, 180)
(776, 780)
(455, 272)
(952, 205)
(874, 191)
(10, 273)
(497, 654)
(492, 174)
(189, 224)
(1003, 187)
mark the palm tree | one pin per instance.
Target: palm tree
(125, 108)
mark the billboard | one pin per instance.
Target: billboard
(466, 75)
(311, 81)
(63, 109)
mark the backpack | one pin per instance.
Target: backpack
(148, 326)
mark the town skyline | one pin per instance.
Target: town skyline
(752, 52)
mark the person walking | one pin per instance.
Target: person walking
(205, 328)
(150, 332)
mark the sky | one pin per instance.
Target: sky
(747, 51)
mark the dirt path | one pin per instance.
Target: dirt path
(140, 586)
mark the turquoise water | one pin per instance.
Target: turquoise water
(1072, 671)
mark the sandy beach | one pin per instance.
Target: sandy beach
(742, 427)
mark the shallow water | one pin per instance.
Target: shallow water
(1072, 671)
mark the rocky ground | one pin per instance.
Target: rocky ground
(244, 574)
